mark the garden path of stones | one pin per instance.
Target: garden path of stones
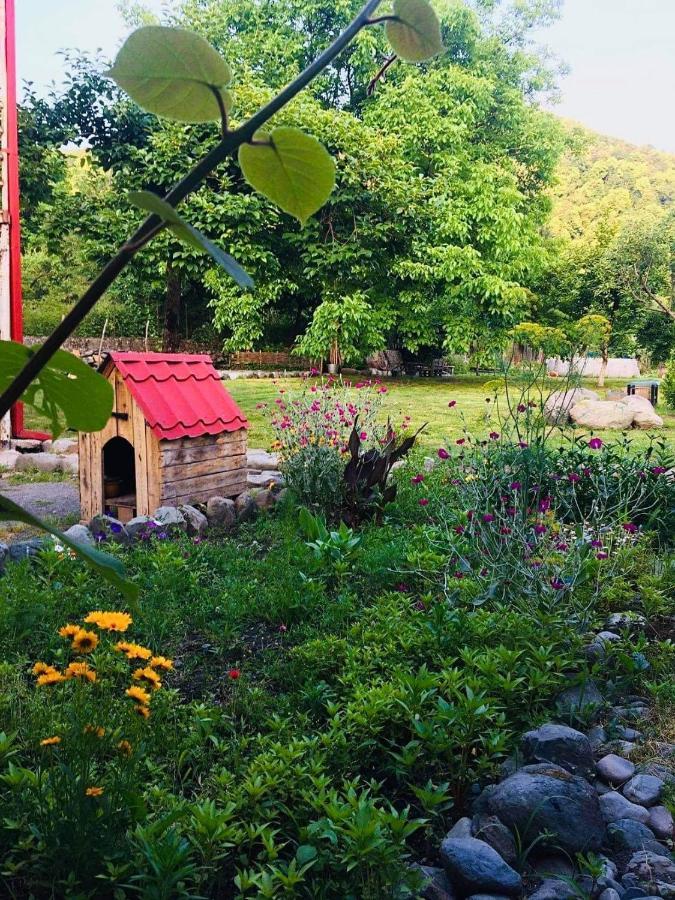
(568, 792)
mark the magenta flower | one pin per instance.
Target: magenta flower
(488, 517)
(601, 555)
(452, 403)
(523, 445)
(470, 515)
(417, 479)
(629, 527)
(460, 441)
(443, 453)
(521, 407)
(557, 584)
(587, 472)
(459, 529)
(515, 485)
(595, 443)
(562, 546)
(596, 543)
(658, 470)
(573, 477)
(540, 529)
(424, 501)
(459, 574)
(363, 435)
(505, 530)
(494, 435)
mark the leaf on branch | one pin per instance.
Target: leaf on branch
(415, 32)
(173, 73)
(107, 566)
(151, 203)
(290, 168)
(66, 388)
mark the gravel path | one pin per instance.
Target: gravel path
(48, 499)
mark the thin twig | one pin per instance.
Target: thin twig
(231, 142)
(373, 82)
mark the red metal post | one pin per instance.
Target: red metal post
(12, 150)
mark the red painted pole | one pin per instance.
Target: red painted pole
(12, 150)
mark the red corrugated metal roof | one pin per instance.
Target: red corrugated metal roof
(180, 394)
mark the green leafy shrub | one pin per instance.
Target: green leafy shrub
(668, 385)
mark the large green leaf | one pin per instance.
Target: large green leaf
(415, 34)
(107, 566)
(290, 168)
(65, 389)
(173, 73)
(152, 203)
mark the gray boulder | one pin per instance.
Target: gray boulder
(462, 828)
(654, 872)
(81, 534)
(491, 830)
(597, 736)
(4, 552)
(8, 458)
(170, 517)
(615, 769)
(644, 415)
(221, 511)
(477, 868)
(614, 806)
(436, 885)
(561, 745)
(265, 479)
(196, 521)
(661, 821)
(24, 549)
(553, 865)
(43, 462)
(546, 797)
(555, 889)
(602, 414)
(263, 499)
(245, 507)
(261, 459)
(610, 894)
(626, 621)
(140, 525)
(627, 834)
(559, 404)
(646, 790)
(583, 702)
(108, 528)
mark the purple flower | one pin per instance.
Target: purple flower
(452, 403)
(562, 546)
(596, 543)
(587, 472)
(494, 435)
(557, 584)
(423, 501)
(459, 529)
(523, 445)
(443, 453)
(417, 479)
(100, 536)
(658, 470)
(540, 529)
(505, 530)
(116, 528)
(595, 443)
(573, 476)
(629, 527)
(488, 517)
(459, 574)
(521, 407)
(601, 555)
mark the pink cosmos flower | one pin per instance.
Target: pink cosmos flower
(540, 529)
(595, 443)
(573, 477)
(363, 435)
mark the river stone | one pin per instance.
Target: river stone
(109, 528)
(81, 534)
(626, 621)
(245, 507)
(583, 701)
(627, 834)
(661, 821)
(43, 462)
(615, 769)
(462, 828)
(558, 404)
(24, 549)
(646, 790)
(553, 865)
(170, 517)
(139, 525)
(614, 806)
(437, 885)
(9, 458)
(221, 511)
(265, 479)
(561, 745)
(655, 872)
(497, 835)
(264, 499)
(196, 521)
(261, 459)
(602, 414)
(597, 736)
(546, 797)
(627, 734)
(555, 889)
(476, 867)
(609, 894)
(4, 552)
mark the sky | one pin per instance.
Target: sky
(621, 54)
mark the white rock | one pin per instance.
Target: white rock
(63, 445)
(81, 534)
(602, 414)
(43, 462)
(644, 415)
(170, 517)
(646, 790)
(260, 459)
(8, 458)
(559, 403)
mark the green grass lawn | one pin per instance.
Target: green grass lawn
(423, 399)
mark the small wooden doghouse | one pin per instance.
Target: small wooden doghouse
(175, 436)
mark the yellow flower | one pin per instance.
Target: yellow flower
(50, 741)
(138, 694)
(41, 668)
(94, 791)
(80, 670)
(143, 711)
(109, 621)
(50, 678)
(84, 641)
(133, 651)
(98, 730)
(125, 747)
(161, 662)
(148, 675)
(69, 631)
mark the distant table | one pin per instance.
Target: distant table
(648, 389)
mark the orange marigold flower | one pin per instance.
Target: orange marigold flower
(143, 711)
(109, 621)
(85, 641)
(161, 662)
(133, 651)
(50, 741)
(69, 631)
(138, 694)
(80, 670)
(98, 730)
(125, 747)
(94, 791)
(148, 675)
(50, 678)
(42, 668)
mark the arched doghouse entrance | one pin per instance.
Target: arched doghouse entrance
(119, 478)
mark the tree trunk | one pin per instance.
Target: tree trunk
(603, 367)
(171, 332)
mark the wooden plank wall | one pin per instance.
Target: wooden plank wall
(194, 469)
